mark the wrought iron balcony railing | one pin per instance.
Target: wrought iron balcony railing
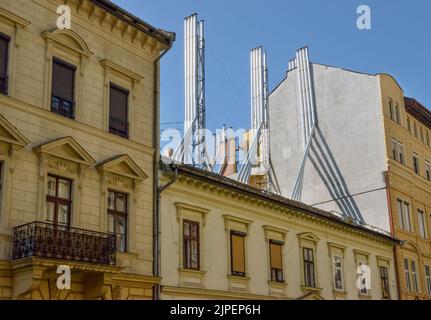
(47, 240)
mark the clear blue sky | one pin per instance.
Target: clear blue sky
(399, 43)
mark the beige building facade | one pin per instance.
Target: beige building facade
(78, 113)
(408, 147)
(225, 240)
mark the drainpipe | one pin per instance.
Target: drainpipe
(156, 156)
(159, 231)
(388, 195)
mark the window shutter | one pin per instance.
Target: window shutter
(118, 110)
(238, 253)
(4, 52)
(63, 80)
(4, 44)
(276, 255)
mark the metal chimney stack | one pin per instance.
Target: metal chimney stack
(194, 71)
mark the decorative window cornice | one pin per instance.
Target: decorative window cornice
(333, 245)
(76, 43)
(232, 222)
(308, 236)
(122, 165)
(360, 252)
(12, 17)
(11, 135)
(67, 149)
(274, 233)
(110, 65)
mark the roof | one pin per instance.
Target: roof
(163, 36)
(418, 110)
(228, 183)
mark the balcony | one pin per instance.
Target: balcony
(47, 240)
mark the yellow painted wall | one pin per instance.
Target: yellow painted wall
(130, 55)
(406, 185)
(209, 205)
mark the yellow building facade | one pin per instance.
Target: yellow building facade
(78, 117)
(407, 135)
(225, 240)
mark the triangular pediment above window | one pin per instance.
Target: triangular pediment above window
(123, 165)
(11, 135)
(312, 296)
(66, 148)
(308, 236)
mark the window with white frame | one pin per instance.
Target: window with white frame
(422, 134)
(337, 268)
(422, 224)
(401, 157)
(407, 274)
(395, 149)
(404, 215)
(398, 151)
(384, 280)
(416, 164)
(391, 109)
(428, 278)
(397, 113)
(414, 277)
(409, 125)
(428, 170)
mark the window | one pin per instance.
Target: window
(414, 277)
(398, 151)
(1, 186)
(59, 200)
(409, 125)
(384, 278)
(337, 267)
(237, 253)
(309, 278)
(404, 215)
(428, 170)
(422, 135)
(117, 218)
(63, 88)
(4, 57)
(401, 153)
(428, 139)
(428, 279)
(394, 149)
(391, 109)
(415, 129)
(191, 245)
(416, 166)
(118, 111)
(276, 257)
(397, 114)
(363, 289)
(422, 224)
(407, 274)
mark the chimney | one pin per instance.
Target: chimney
(229, 166)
